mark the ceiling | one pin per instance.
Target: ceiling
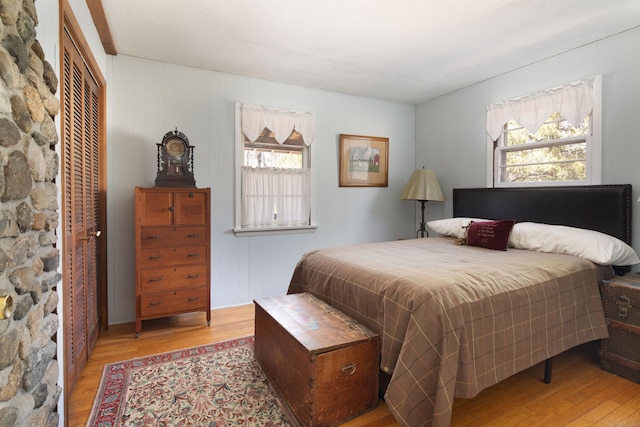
(400, 50)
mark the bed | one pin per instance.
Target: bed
(455, 319)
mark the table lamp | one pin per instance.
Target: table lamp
(422, 186)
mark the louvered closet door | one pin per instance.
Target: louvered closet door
(83, 194)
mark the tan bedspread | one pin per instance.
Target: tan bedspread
(453, 319)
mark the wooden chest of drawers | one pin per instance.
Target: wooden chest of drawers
(323, 362)
(620, 353)
(172, 252)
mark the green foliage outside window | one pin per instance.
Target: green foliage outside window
(556, 152)
(273, 159)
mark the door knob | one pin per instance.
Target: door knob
(6, 307)
(90, 235)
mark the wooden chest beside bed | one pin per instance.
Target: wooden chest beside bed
(322, 361)
(620, 353)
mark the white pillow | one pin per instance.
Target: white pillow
(453, 227)
(592, 245)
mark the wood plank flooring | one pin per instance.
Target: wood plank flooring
(580, 394)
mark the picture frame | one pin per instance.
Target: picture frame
(364, 161)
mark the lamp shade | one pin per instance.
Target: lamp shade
(422, 185)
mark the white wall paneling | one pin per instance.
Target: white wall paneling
(149, 98)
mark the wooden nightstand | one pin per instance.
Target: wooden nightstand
(620, 353)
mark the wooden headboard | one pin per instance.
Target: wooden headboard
(603, 208)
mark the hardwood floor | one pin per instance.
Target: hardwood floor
(580, 394)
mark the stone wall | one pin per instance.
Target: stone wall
(29, 261)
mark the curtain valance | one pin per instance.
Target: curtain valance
(573, 101)
(279, 121)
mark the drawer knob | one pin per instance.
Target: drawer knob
(155, 257)
(155, 303)
(157, 236)
(193, 299)
(171, 208)
(193, 255)
(193, 276)
(349, 369)
(155, 279)
(193, 235)
(624, 304)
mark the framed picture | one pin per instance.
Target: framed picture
(364, 161)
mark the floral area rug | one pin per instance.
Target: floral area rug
(212, 385)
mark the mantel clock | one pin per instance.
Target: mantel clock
(175, 161)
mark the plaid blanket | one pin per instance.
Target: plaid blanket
(454, 320)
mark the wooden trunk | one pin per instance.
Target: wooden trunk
(324, 363)
(620, 353)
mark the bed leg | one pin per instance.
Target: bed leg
(547, 371)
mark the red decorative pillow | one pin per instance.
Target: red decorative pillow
(490, 234)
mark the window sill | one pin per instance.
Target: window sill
(268, 231)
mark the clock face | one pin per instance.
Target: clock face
(175, 147)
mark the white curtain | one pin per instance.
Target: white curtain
(275, 197)
(279, 121)
(573, 101)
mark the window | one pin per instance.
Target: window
(547, 138)
(273, 191)
(556, 152)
